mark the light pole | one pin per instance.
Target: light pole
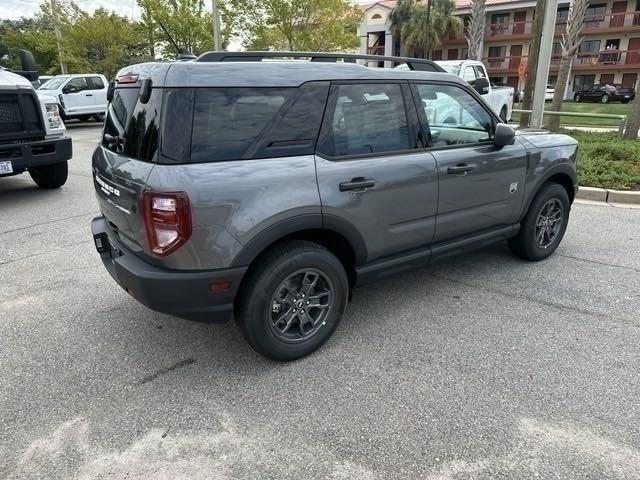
(544, 59)
(56, 29)
(216, 25)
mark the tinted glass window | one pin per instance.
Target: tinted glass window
(452, 116)
(79, 83)
(95, 83)
(227, 121)
(367, 118)
(178, 117)
(135, 124)
(469, 75)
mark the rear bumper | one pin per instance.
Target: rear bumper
(182, 294)
(36, 154)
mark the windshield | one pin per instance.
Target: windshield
(453, 68)
(54, 83)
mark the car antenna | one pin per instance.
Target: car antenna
(183, 53)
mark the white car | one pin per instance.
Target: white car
(80, 96)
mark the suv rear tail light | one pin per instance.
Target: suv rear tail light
(167, 221)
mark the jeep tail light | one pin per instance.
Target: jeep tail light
(167, 221)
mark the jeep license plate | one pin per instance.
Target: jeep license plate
(6, 167)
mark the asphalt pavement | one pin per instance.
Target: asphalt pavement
(481, 366)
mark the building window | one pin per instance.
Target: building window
(588, 51)
(376, 16)
(595, 15)
(583, 82)
(499, 23)
(497, 56)
(562, 16)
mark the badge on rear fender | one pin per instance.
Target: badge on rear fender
(106, 188)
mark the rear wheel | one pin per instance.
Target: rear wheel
(50, 176)
(577, 97)
(293, 301)
(543, 227)
(605, 98)
(83, 118)
(625, 100)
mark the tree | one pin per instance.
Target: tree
(33, 34)
(398, 18)
(188, 21)
(633, 120)
(532, 62)
(475, 33)
(315, 25)
(570, 43)
(427, 25)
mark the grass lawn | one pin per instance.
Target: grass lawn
(606, 161)
(616, 108)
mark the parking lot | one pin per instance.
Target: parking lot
(482, 366)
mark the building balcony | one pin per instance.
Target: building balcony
(610, 23)
(603, 60)
(508, 31)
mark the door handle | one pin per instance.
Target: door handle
(460, 169)
(357, 183)
(89, 95)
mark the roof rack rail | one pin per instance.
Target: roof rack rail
(419, 64)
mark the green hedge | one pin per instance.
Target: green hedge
(607, 161)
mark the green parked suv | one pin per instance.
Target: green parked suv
(267, 190)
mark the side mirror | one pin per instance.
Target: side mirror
(481, 85)
(28, 65)
(504, 135)
(111, 90)
(69, 89)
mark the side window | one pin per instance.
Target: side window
(95, 83)
(452, 116)
(79, 83)
(227, 121)
(367, 118)
(469, 75)
(479, 71)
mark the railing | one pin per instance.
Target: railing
(621, 119)
(508, 29)
(606, 58)
(582, 61)
(377, 50)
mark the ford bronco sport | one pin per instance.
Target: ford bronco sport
(267, 190)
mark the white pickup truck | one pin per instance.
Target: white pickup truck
(32, 135)
(475, 74)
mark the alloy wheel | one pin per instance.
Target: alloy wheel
(549, 223)
(300, 306)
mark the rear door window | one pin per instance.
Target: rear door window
(95, 83)
(367, 119)
(228, 121)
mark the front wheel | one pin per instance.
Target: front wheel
(50, 176)
(293, 301)
(625, 100)
(543, 227)
(577, 97)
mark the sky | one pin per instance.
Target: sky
(12, 9)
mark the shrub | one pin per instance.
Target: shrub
(607, 161)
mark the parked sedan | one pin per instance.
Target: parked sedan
(606, 93)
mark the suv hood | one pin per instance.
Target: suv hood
(541, 138)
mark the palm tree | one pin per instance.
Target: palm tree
(475, 34)
(399, 17)
(428, 24)
(571, 40)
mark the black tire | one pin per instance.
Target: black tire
(503, 114)
(525, 244)
(577, 98)
(83, 118)
(625, 100)
(50, 176)
(98, 117)
(258, 313)
(605, 98)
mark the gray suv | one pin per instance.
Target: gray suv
(268, 190)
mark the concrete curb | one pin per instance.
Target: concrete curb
(608, 196)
